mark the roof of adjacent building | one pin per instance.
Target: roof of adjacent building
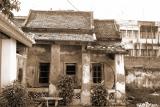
(8, 28)
(107, 47)
(59, 19)
(63, 37)
(19, 20)
(106, 30)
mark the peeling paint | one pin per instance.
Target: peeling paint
(86, 74)
(119, 64)
(120, 78)
(86, 92)
(120, 86)
(130, 78)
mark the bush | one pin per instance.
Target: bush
(14, 95)
(99, 95)
(66, 89)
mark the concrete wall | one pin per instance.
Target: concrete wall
(60, 54)
(36, 54)
(71, 54)
(142, 72)
(55, 63)
(8, 61)
(66, 54)
(143, 78)
(120, 78)
(150, 62)
(108, 67)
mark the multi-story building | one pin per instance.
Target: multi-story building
(141, 38)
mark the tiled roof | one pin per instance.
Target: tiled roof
(106, 30)
(59, 19)
(107, 47)
(19, 20)
(63, 37)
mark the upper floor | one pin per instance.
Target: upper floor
(140, 31)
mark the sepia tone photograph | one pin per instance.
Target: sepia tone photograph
(79, 53)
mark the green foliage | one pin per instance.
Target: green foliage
(7, 6)
(99, 95)
(66, 89)
(14, 95)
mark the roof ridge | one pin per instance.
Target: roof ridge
(104, 20)
(61, 11)
(26, 21)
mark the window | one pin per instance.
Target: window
(71, 69)
(123, 33)
(135, 34)
(129, 33)
(149, 52)
(97, 72)
(148, 35)
(44, 73)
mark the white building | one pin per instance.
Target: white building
(141, 38)
(12, 40)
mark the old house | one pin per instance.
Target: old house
(13, 46)
(73, 43)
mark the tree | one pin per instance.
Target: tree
(7, 6)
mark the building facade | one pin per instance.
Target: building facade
(73, 43)
(12, 40)
(141, 38)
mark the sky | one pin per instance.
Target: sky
(102, 9)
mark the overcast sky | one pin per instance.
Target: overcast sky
(103, 9)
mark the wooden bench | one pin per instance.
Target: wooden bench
(46, 99)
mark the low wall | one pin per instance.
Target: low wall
(149, 62)
(142, 72)
(143, 78)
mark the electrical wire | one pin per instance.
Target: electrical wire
(72, 5)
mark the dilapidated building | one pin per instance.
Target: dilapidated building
(73, 43)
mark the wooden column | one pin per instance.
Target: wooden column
(86, 75)
(120, 78)
(55, 63)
